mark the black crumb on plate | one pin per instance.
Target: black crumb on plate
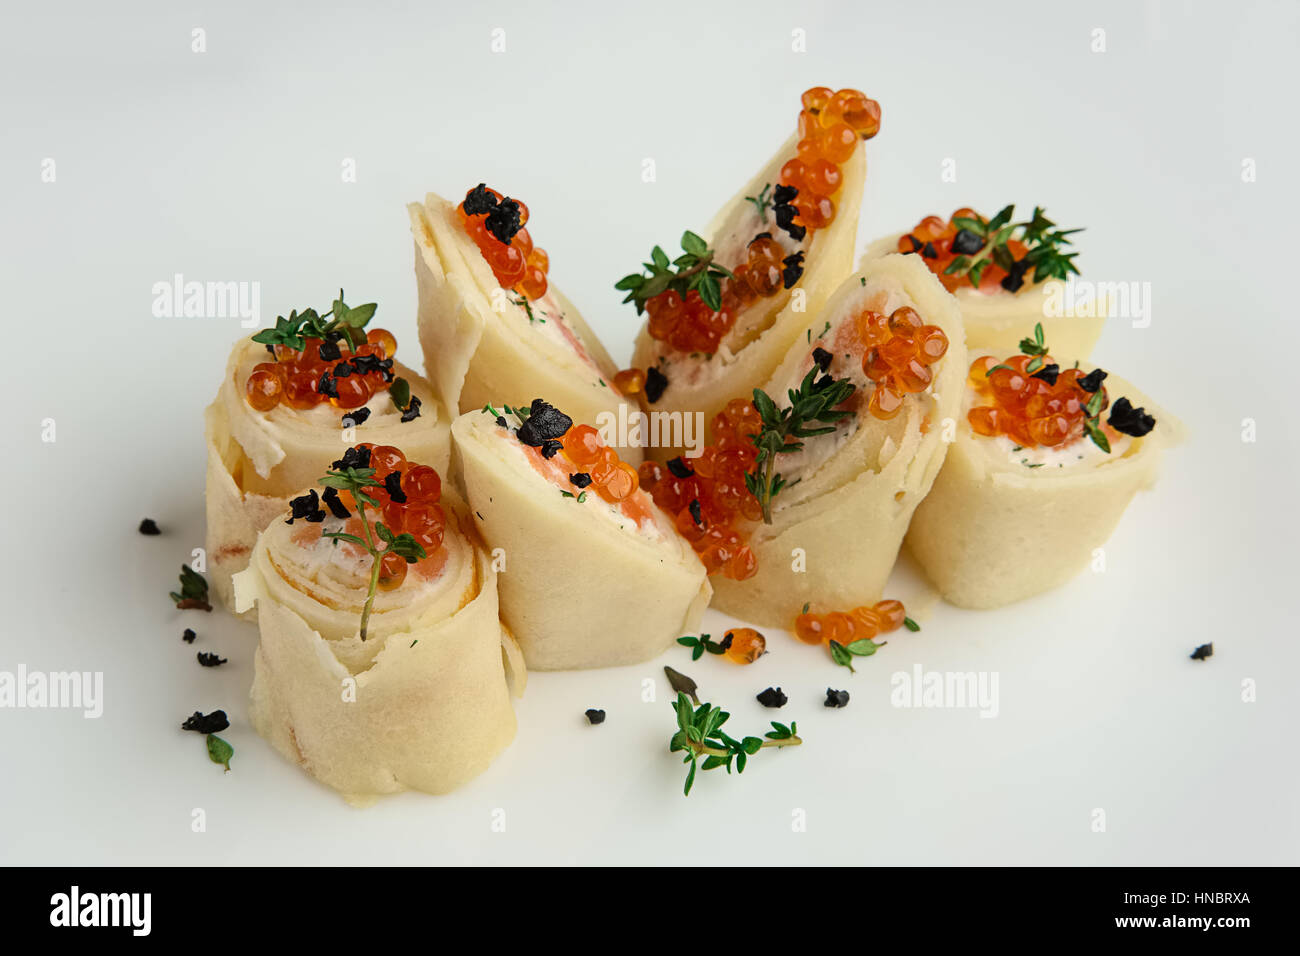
(837, 698)
(188, 635)
(211, 660)
(149, 526)
(595, 716)
(772, 697)
(212, 723)
(1204, 652)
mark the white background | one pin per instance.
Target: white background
(226, 165)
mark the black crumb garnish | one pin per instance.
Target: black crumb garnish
(793, 270)
(501, 422)
(344, 369)
(149, 526)
(916, 244)
(393, 485)
(772, 697)
(965, 243)
(595, 716)
(355, 416)
(1015, 276)
(326, 385)
(366, 363)
(211, 660)
(822, 358)
(785, 219)
(212, 723)
(655, 383)
(929, 252)
(837, 698)
(1092, 381)
(550, 447)
(358, 457)
(761, 235)
(335, 504)
(1048, 373)
(784, 195)
(544, 421)
(306, 507)
(727, 638)
(580, 480)
(505, 220)
(188, 635)
(479, 201)
(695, 511)
(1126, 419)
(1204, 652)
(679, 468)
(412, 411)
(330, 352)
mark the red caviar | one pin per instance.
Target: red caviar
(830, 125)
(516, 263)
(746, 645)
(845, 627)
(932, 239)
(294, 377)
(1028, 408)
(898, 351)
(419, 515)
(712, 505)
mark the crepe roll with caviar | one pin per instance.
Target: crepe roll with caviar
(291, 399)
(806, 495)
(1007, 276)
(1044, 465)
(491, 320)
(592, 573)
(383, 665)
(723, 314)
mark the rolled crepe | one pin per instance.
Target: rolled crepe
(995, 530)
(423, 703)
(257, 460)
(996, 322)
(480, 344)
(837, 527)
(584, 583)
(766, 330)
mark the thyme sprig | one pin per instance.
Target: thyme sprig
(193, 594)
(763, 201)
(355, 481)
(700, 734)
(812, 411)
(1045, 244)
(704, 643)
(340, 318)
(843, 654)
(694, 270)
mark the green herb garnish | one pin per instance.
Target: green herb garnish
(699, 734)
(694, 270)
(911, 625)
(193, 594)
(762, 201)
(355, 481)
(292, 331)
(783, 429)
(699, 645)
(1044, 242)
(219, 751)
(843, 654)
